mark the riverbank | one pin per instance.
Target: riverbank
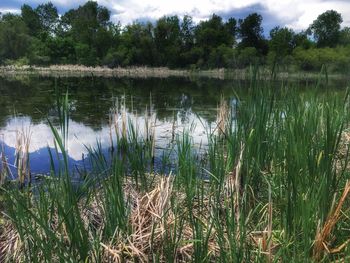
(157, 72)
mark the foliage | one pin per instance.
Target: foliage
(48, 17)
(336, 59)
(248, 56)
(281, 42)
(251, 33)
(167, 40)
(14, 38)
(86, 35)
(326, 28)
(31, 19)
(137, 46)
(344, 38)
(214, 32)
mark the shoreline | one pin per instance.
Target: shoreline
(150, 72)
(84, 71)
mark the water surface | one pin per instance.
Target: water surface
(175, 103)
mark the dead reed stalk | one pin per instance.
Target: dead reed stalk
(322, 236)
(222, 116)
(233, 187)
(11, 247)
(124, 121)
(23, 138)
(148, 221)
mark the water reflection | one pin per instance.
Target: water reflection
(177, 104)
(82, 136)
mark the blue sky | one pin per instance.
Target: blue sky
(297, 14)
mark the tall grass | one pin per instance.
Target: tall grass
(270, 187)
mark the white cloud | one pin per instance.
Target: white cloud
(302, 13)
(9, 10)
(297, 14)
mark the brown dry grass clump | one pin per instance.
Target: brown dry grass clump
(152, 221)
(324, 234)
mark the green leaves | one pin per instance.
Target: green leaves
(326, 28)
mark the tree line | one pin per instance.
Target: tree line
(87, 36)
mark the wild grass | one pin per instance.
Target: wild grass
(273, 187)
(4, 167)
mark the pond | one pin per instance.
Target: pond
(171, 104)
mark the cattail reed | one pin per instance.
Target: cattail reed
(23, 138)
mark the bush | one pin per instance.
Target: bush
(85, 55)
(220, 57)
(113, 58)
(17, 62)
(247, 56)
(283, 63)
(336, 59)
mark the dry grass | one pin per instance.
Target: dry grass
(233, 187)
(151, 219)
(134, 72)
(223, 114)
(10, 243)
(146, 72)
(324, 234)
(23, 138)
(147, 220)
(4, 167)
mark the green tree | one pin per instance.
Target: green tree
(168, 40)
(31, 19)
(39, 53)
(251, 33)
(61, 50)
(90, 27)
(282, 41)
(301, 40)
(187, 28)
(247, 56)
(48, 17)
(136, 47)
(326, 28)
(187, 33)
(222, 56)
(281, 44)
(344, 38)
(213, 33)
(14, 38)
(231, 27)
(84, 22)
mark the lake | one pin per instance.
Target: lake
(172, 104)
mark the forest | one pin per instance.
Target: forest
(87, 36)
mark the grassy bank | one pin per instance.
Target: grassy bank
(271, 186)
(161, 72)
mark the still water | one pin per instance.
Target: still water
(175, 104)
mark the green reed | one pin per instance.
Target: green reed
(262, 190)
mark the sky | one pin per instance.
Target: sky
(296, 14)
